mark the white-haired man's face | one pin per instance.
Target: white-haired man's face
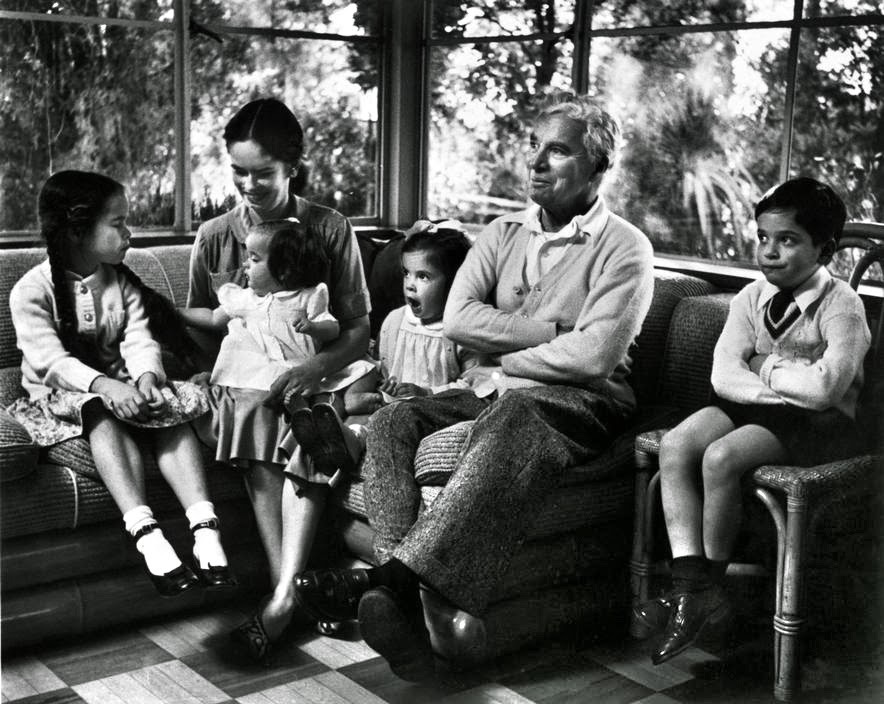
(563, 178)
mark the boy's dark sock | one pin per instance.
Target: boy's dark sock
(717, 569)
(395, 575)
(691, 573)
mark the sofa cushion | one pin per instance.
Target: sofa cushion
(18, 453)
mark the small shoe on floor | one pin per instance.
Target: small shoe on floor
(692, 614)
(650, 617)
(400, 638)
(331, 594)
(331, 452)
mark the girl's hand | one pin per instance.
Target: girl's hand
(362, 403)
(392, 386)
(124, 400)
(304, 325)
(410, 390)
(201, 378)
(156, 402)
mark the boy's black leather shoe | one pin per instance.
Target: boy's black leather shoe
(692, 614)
(650, 617)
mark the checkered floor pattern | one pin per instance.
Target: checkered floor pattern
(189, 659)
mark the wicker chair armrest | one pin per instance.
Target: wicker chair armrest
(849, 476)
(648, 443)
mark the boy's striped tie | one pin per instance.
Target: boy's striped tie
(779, 315)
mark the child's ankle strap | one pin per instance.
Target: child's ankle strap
(212, 523)
(144, 530)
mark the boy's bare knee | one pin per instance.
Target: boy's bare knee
(721, 460)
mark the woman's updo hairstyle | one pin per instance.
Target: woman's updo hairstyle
(275, 128)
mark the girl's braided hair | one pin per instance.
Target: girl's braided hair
(69, 205)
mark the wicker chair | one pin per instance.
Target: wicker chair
(797, 498)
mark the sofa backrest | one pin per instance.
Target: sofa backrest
(166, 269)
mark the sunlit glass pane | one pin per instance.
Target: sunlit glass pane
(492, 18)
(479, 115)
(839, 115)
(702, 120)
(332, 87)
(329, 16)
(842, 7)
(612, 14)
(64, 106)
(116, 9)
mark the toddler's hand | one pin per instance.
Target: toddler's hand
(304, 325)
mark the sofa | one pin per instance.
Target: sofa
(68, 568)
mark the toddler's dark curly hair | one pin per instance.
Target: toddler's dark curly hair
(296, 256)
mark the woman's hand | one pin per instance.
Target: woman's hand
(156, 402)
(301, 379)
(122, 399)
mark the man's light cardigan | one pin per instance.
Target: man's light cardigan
(575, 325)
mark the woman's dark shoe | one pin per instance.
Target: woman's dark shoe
(692, 614)
(253, 638)
(397, 633)
(213, 577)
(331, 594)
(650, 617)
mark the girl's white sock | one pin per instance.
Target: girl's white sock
(206, 541)
(159, 555)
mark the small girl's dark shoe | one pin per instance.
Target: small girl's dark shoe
(172, 583)
(213, 577)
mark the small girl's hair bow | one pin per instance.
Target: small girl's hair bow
(433, 226)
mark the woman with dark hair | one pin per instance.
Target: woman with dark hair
(265, 143)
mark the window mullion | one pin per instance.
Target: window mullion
(791, 82)
(182, 88)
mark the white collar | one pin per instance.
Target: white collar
(809, 291)
(587, 224)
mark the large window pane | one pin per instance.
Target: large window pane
(839, 115)
(329, 16)
(491, 18)
(116, 9)
(702, 117)
(333, 94)
(842, 7)
(612, 14)
(482, 97)
(69, 101)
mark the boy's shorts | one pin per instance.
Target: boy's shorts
(810, 437)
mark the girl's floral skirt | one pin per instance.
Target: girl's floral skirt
(58, 416)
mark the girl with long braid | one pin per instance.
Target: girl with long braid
(90, 332)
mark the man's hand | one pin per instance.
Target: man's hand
(756, 361)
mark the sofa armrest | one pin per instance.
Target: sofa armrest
(18, 452)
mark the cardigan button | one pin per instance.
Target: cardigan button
(88, 317)
(84, 288)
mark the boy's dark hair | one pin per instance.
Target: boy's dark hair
(70, 204)
(446, 249)
(818, 209)
(272, 125)
(295, 254)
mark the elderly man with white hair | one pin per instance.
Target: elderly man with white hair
(554, 296)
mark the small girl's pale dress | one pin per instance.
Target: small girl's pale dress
(260, 345)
